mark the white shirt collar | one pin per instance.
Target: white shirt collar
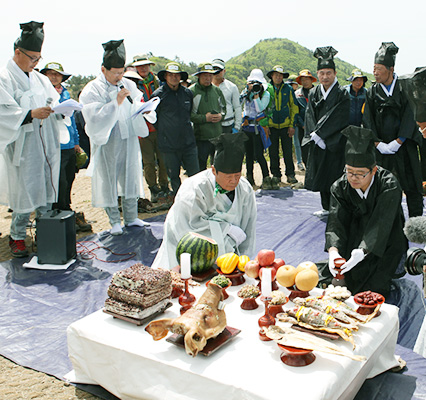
(390, 91)
(326, 93)
(362, 194)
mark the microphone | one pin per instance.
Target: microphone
(48, 103)
(415, 229)
(128, 97)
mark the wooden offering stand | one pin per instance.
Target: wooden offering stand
(294, 292)
(186, 299)
(249, 303)
(202, 276)
(265, 320)
(236, 277)
(295, 357)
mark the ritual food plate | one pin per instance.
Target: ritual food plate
(212, 344)
(295, 357)
(138, 321)
(200, 277)
(365, 308)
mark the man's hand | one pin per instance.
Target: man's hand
(357, 255)
(384, 148)
(318, 141)
(41, 113)
(122, 94)
(422, 128)
(213, 117)
(291, 132)
(332, 255)
(237, 234)
(78, 149)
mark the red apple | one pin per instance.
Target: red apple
(265, 257)
(252, 269)
(273, 272)
(278, 262)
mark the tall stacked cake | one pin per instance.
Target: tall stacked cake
(139, 292)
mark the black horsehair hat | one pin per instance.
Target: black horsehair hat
(325, 57)
(230, 152)
(114, 54)
(32, 36)
(360, 151)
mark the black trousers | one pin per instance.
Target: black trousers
(254, 150)
(274, 149)
(66, 179)
(205, 149)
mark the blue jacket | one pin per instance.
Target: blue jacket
(357, 101)
(74, 138)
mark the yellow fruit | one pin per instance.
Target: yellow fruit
(286, 275)
(227, 262)
(306, 280)
(242, 262)
(306, 265)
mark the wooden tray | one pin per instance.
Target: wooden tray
(323, 334)
(212, 344)
(203, 276)
(138, 321)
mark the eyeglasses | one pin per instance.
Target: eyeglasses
(356, 176)
(33, 59)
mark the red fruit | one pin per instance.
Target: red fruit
(278, 262)
(273, 272)
(252, 269)
(265, 257)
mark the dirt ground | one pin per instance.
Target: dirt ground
(20, 383)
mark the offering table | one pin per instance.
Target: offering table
(126, 361)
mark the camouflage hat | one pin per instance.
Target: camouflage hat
(55, 66)
(292, 79)
(205, 67)
(279, 69)
(305, 72)
(357, 73)
(141, 59)
(174, 68)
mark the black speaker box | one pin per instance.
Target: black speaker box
(56, 241)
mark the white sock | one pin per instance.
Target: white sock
(138, 222)
(116, 230)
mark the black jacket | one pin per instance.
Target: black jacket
(173, 124)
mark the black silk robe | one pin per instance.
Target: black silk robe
(390, 118)
(374, 224)
(327, 118)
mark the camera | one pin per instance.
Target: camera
(416, 258)
(256, 88)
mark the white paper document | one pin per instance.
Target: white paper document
(33, 263)
(150, 105)
(67, 107)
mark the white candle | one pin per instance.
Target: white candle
(185, 265)
(266, 282)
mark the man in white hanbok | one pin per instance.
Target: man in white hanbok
(29, 136)
(110, 101)
(217, 203)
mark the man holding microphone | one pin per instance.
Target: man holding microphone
(29, 136)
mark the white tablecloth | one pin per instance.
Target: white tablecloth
(125, 360)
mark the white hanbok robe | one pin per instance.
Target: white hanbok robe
(116, 161)
(197, 210)
(29, 155)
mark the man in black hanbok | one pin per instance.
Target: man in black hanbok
(365, 224)
(327, 114)
(388, 114)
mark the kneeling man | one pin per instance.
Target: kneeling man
(365, 225)
(217, 203)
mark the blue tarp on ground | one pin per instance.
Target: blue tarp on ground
(37, 306)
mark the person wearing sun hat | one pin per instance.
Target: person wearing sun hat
(56, 74)
(217, 203)
(110, 103)
(366, 221)
(283, 108)
(306, 80)
(388, 114)
(357, 92)
(29, 136)
(176, 139)
(208, 112)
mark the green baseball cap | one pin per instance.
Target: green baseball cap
(174, 68)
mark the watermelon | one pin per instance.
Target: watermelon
(203, 251)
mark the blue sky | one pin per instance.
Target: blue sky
(200, 31)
